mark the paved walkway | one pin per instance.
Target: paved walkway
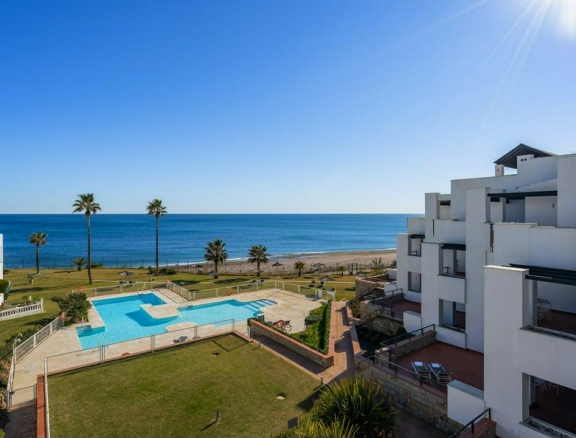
(343, 353)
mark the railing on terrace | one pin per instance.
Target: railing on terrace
(398, 370)
(17, 312)
(393, 342)
(471, 424)
(19, 351)
(40, 336)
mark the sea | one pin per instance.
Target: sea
(128, 240)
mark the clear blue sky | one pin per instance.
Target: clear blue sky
(233, 106)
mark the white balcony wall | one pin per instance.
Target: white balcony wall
(414, 264)
(464, 402)
(535, 351)
(529, 244)
(451, 336)
(430, 269)
(529, 172)
(452, 288)
(448, 231)
(542, 210)
(507, 308)
(402, 261)
(566, 191)
(416, 225)
(412, 321)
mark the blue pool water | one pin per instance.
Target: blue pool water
(125, 320)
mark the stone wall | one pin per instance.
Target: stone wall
(402, 348)
(424, 402)
(325, 360)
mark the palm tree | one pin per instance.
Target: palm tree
(216, 253)
(79, 262)
(38, 239)
(300, 265)
(258, 254)
(85, 204)
(156, 208)
(341, 268)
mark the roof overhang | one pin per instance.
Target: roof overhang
(495, 197)
(548, 275)
(416, 236)
(510, 159)
(454, 246)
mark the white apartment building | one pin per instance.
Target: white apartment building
(493, 265)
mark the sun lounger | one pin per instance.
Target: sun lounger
(422, 372)
(180, 339)
(440, 374)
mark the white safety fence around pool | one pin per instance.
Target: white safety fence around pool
(103, 353)
(193, 295)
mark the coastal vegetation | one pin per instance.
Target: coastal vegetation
(85, 204)
(156, 209)
(258, 254)
(38, 239)
(317, 332)
(254, 391)
(352, 406)
(216, 253)
(75, 305)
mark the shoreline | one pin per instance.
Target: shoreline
(285, 263)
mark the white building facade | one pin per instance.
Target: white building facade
(491, 263)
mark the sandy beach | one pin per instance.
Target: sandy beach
(323, 262)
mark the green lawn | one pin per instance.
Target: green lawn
(176, 392)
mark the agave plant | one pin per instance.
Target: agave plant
(359, 403)
(309, 427)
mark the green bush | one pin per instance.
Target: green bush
(317, 332)
(4, 286)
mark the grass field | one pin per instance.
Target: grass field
(176, 392)
(59, 282)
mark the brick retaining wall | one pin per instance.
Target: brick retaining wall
(325, 360)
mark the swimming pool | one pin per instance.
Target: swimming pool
(125, 319)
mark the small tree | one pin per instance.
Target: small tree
(79, 262)
(75, 304)
(377, 265)
(300, 265)
(342, 268)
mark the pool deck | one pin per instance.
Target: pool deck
(65, 352)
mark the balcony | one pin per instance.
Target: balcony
(452, 288)
(552, 408)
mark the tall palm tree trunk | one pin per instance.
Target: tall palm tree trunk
(37, 258)
(89, 262)
(157, 245)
